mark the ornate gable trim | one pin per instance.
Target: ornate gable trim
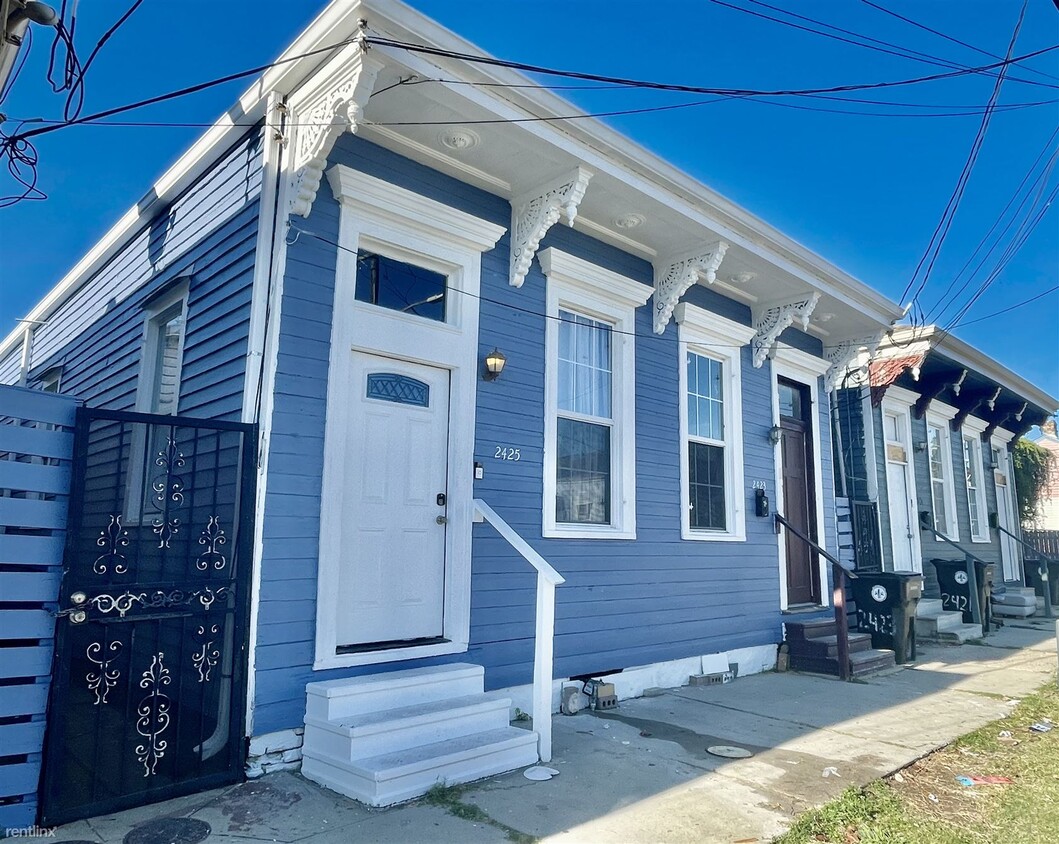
(674, 278)
(770, 321)
(331, 102)
(535, 211)
(842, 355)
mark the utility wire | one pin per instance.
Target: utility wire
(75, 99)
(941, 230)
(948, 37)
(1009, 308)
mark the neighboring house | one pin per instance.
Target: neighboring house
(341, 277)
(927, 425)
(1048, 507)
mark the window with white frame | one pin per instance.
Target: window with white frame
(972, 460)
(712, 496)
(942, 493)
(589, 450)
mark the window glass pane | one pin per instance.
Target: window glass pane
(790, 401)
(935, 445)
(169, 330)
(890, 428)
(705, 397)
(399, 286)
(706, 487)
(582, 483)
(585, 365)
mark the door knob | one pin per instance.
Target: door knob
(442, 520)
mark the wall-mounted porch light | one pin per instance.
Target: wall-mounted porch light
(495, 362)
(775, 434)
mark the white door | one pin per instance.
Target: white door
(1005, 508)
(393, 575)
(900, 493)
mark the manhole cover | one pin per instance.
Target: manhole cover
(725, 750)
(169, 831)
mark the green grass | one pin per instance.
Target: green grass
(449, 798)
(925, 804)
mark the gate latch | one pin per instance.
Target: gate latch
(76, 614)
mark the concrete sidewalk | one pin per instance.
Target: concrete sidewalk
(641, 773)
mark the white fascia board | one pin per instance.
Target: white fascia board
(712, 327)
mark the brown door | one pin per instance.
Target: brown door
(799, 496)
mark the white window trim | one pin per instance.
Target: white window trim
(405, 225)
(802, 368)
(900, 401)
(1009, 548)
(713, 336)
(53, 378)
(146, 386)
(972, 430)
(578, 285)
(940, 415)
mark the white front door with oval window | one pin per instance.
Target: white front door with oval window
(392, 583)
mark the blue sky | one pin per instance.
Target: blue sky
(864, 192)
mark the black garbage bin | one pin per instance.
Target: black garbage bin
(1034, 567)
(956, 589)
(886, 608)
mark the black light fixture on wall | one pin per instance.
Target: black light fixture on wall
(495, 362)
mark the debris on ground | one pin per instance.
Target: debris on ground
(831, 771)
(972, 780)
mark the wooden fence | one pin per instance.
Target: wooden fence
(36, 447)
(1044, 540)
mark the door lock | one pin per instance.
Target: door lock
(441, 499)
(442, 520)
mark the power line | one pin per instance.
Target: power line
(941, 230)
(947, 37)
(899, 51)
(77, 89)
(1009, 308)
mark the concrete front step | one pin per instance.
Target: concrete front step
(332, 699)
(804, 630)
(929, 607)
(394, 777)
(403, 727)
(1027, 591)
(951, 633)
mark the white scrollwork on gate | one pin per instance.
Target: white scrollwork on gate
(153, 714)
(213, 538)
(206, 657)
(111, 538)
(168, 491)
(102, 681)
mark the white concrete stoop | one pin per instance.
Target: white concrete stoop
(940, 625)
(385, 738)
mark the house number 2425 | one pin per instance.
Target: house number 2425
(505, 453)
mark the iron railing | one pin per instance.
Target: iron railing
(1042, 566)
(840, 574)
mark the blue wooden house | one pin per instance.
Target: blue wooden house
(927, 427)
(526, 397)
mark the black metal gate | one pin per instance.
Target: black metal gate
(149, 693)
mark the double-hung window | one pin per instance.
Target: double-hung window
(589, 436)
(711, 425)
(939, 462)
(976, 505)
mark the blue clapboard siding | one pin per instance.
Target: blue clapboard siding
(625, 602)
(35, 454)
(208, 235)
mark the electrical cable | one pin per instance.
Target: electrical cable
(941, 230)
(1009, 308)
(77, 89)
(948, 37)
(899, 51)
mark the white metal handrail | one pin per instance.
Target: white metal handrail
(543, 652)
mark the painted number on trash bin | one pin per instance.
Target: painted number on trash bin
(876, 622)
(954, 602)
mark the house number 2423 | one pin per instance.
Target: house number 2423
(505, 453)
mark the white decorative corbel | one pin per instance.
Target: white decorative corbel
(992, 402)
(957, 385)
(842, 355)
(674, 278)
(1018, 416)
(328, 104)
(535, 211)
(770, 321)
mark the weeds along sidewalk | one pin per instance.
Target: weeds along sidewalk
(925, 803)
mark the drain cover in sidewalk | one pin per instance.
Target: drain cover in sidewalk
(728, 751)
